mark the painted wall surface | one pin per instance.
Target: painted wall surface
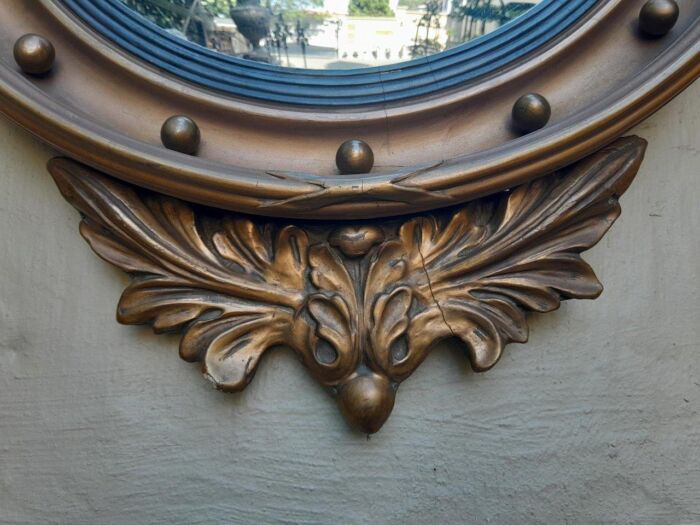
(596, 420)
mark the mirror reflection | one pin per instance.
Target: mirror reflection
(330, 34)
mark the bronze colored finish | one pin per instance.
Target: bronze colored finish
(531, 112)
(658, 17)
(366, 402)
(356, 241)
(434, 152)
(362, 309)
(34, 54)
(181, 133)
(354, 156)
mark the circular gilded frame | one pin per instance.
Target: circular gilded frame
(264, 157)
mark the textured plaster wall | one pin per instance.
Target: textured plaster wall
(596, 420)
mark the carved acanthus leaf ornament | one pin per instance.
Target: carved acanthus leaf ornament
(360, 304)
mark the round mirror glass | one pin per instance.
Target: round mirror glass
(330, 34)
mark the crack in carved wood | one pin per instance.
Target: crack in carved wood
(361, 304)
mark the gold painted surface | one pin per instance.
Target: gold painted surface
(363, 304)
(600, 78)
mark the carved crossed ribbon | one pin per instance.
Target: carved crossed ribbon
(360, 304)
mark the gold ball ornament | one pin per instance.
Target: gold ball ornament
(354, 156)
(181, 133)
(657, 17)
(34, 54)
(531, 112)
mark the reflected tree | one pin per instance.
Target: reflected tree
(194, 19)
(429, 43)
(190, 18)
(369, 8)
(475, 16)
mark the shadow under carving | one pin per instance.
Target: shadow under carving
(362, 303)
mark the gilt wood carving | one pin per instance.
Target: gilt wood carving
(360, 303)
(275, 159)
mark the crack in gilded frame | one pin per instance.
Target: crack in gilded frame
(360, 303)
